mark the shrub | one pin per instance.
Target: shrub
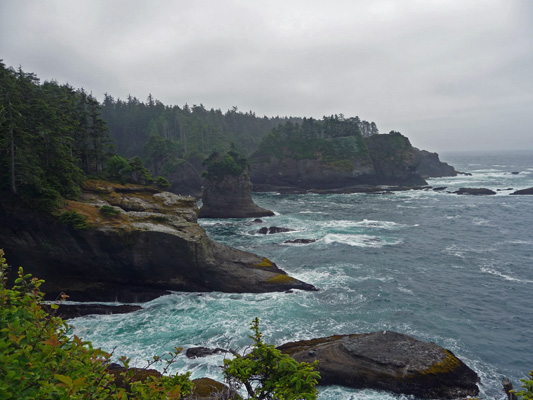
(108, 211)
(162, 182)
(527, 388)
(40, 359)
(267, 373)
(74, 219)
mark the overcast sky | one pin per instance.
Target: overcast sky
(449, 74)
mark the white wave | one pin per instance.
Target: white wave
(366, 223)
(312, 212)
(405, 290)
(359, 240)
(492, 271)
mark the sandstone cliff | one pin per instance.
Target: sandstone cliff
(151, 246)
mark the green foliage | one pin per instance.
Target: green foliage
(128, 171)
(40, 359)
(74, 219)
(51, 135)
(527, 388)
(162, 182)
(331, 139)
(219, 165)
(108, 211)
(267, 373)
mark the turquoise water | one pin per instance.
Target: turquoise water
(454, 270)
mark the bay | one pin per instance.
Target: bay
(454, 270)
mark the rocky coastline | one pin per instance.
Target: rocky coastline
(153, 245)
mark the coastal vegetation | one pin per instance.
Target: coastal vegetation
(41, 358)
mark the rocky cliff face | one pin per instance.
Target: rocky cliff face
(387, 159)
(152, 246)
(230, 197)
(428, 165)
(394, 160)
(318, 173)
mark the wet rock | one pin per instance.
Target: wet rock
(387, 361)
(524, 191)
(300, 241)
(475, 191)
(272, 230)
(198, 352)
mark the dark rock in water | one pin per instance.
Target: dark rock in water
(257, 221)
(230, 196)
(67, 311)
(515, 173)
(387, 361)
(300, 241)
(475, 191)
(437, 189)
(524, 191)
(197, 352)
(464, 173)
(135, 256)
(273, 229)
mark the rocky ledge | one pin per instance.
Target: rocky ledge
(148, 245)
(387, 361)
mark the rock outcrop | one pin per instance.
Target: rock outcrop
(523, 191)
(228, 190)
(337, 163)
(151, 246)
(428, 165)
(394, 159)
(387, 361)
(230, 197)
(475, 191)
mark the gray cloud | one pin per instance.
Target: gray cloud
(447, 73)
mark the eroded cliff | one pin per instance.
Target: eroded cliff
(151, 246)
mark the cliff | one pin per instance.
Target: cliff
(152, 245)
(342, 162)
(394, 160)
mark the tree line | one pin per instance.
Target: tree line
(52, 135)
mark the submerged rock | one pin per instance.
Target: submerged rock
(300, 241)
(387, 361)
(198, 352)
(153, 245)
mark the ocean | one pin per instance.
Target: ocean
(454, 270)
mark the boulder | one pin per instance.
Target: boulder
(387, 361)
(198, 352)
(475, 191)
(209, 389)
(524, 191)
(300, 241)
(273, 229)
(152, 246)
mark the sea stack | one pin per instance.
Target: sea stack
(227, 190)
